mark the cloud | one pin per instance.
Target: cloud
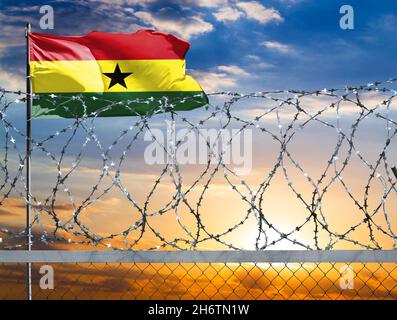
(205, 3)
(278, 46)
(11, 80)
(182, 3)
(254, 57)
(258, 63)
(290, 2)
(8, 39)
(251, 10)
(234, 70)
(115, 2)
(186, 27)
(256, 11)
(213, 81)
(263, 65)
(19, 9)
(387, 23)
(227, 14)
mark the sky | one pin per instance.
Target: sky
(236, 45)
(242, 46)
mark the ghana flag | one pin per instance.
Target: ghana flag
(110, 74)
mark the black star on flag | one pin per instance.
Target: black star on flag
(117, 77)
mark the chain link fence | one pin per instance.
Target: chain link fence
(205, 280)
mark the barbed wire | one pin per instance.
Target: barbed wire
(288, 111)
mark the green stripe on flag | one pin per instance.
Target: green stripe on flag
(113, 104)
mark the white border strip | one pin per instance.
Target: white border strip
(271, 256)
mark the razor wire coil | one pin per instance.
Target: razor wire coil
(74, 230)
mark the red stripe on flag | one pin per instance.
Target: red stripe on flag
(142, 45)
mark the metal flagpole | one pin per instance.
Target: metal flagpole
(27, 164)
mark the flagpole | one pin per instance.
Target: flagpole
(28, 154)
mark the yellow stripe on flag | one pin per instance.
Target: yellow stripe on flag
(88, 76)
